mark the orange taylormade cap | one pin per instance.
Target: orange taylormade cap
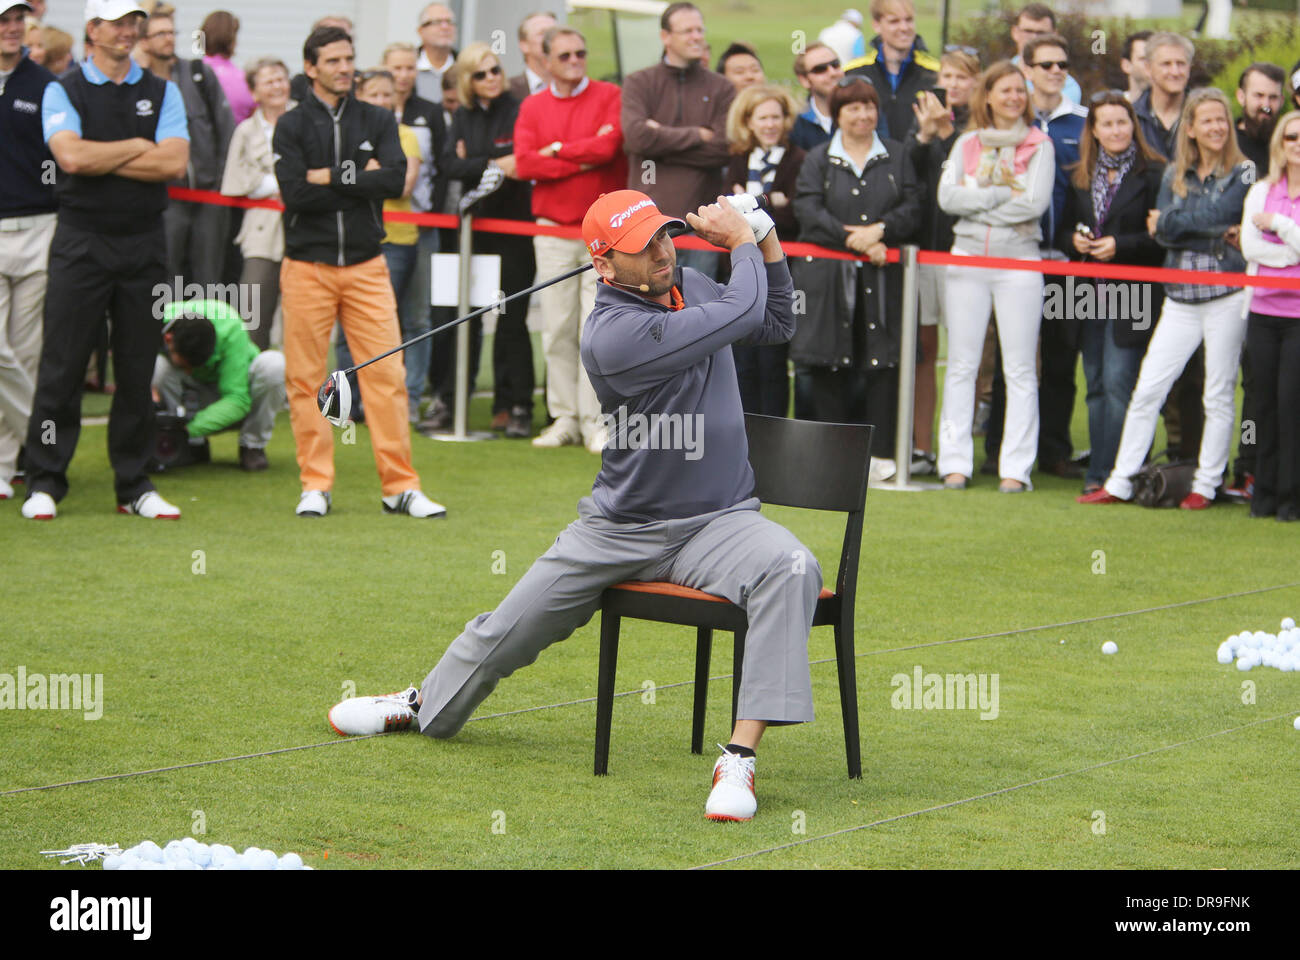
(624, 220)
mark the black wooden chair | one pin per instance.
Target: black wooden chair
(797, 463)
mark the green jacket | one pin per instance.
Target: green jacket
(227, 368)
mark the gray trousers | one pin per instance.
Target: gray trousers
(198, 236)
(735, 553)
(265, 387)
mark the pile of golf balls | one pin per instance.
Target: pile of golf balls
(1280, 650)
(189, 854)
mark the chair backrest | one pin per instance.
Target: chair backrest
(817, 466)
(802, 463)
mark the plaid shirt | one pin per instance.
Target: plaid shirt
(1195, 292)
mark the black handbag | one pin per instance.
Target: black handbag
(1164, 484)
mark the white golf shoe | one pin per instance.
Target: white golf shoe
(39, 506)
(313, 503)
(563, 432)
(359, 716)
(732, 797)
(151, 506)
(415, 504)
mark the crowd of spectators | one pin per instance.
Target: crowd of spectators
(892, 144)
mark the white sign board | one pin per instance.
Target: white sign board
(484, 279)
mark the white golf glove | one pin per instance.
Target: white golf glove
(758, 219)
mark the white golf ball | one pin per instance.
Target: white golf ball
(1245, 663)
(1225, 654)
(1109, 647)
(290, 861)
(1296, 723)
(112, 862)
(1288, 624)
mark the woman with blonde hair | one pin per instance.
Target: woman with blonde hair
(998, 182)
(1270, 242)
(1198, 222)
(482, 143)
(766, 164)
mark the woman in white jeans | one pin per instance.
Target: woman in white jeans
(998, 182)
(1198, 221)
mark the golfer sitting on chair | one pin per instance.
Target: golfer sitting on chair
(657, 348)
(231, 384)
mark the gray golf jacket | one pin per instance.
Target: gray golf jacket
(667, 386)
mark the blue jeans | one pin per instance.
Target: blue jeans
(1111, 372)
(403, 262)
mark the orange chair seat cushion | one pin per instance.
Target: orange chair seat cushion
(666, 589)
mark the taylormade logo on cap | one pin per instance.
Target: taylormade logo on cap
(618, 219)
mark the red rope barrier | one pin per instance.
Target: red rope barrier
(1094, 270)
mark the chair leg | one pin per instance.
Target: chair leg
(845, 660)
(738, 664)
(703, 651)
(608, 669)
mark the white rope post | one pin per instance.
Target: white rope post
(461, 418)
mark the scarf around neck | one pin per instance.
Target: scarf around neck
(1103, 187)
(1001, 157)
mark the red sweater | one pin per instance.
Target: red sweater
(563, 190)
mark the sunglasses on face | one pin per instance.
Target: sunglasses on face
(1291, 137)
(441, 22)
(1050, 65)
(823, 67)
(571, 55)
(484, 74)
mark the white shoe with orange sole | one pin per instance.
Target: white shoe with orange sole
(361, 716)
(732, 797)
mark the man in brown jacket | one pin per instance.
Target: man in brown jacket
(675, 125)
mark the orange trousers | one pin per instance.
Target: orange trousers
(313, 296)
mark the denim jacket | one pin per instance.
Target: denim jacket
(1198, 220)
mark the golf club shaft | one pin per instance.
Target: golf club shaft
(470, 316)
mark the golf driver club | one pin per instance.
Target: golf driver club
(334, 398)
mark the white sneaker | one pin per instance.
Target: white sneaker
(313, 503)
(6, 490)
(732, 797)
(597, 440)
(359, 716)
(39, 506)
(151, 506)
(562, 433)
(882, 469)
(415, 503)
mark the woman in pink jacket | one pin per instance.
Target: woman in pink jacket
(1270, 242)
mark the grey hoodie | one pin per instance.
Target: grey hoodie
(667, 386)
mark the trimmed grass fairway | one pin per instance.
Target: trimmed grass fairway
(247, 657)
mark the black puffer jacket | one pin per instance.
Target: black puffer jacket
(829, 197)
(340, 224)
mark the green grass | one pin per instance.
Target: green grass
(249, 655)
